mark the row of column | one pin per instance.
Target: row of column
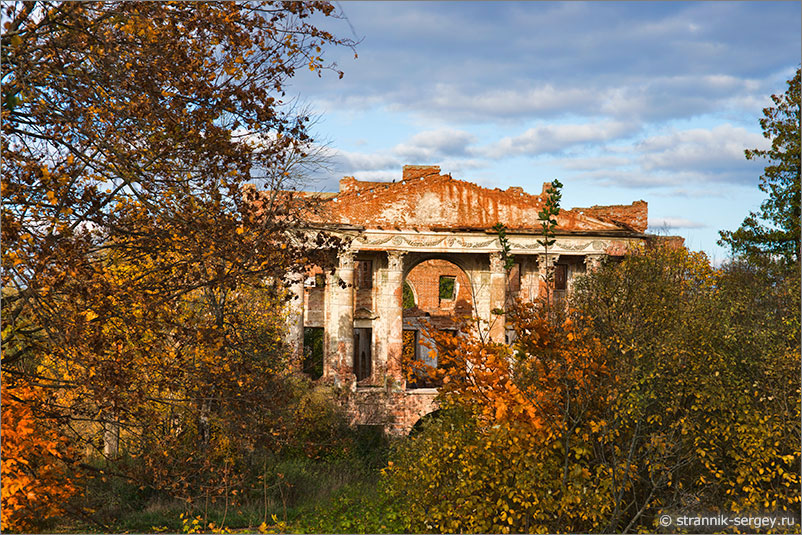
(388, 326)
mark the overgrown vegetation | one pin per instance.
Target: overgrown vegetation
(666, 387)
(670, 387)
(143, 279)
(146, 385)
(276, 488)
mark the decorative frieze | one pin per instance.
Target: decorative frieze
(467, 243)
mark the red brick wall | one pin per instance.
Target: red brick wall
(425, 279)
(397, 411)
(426, 199)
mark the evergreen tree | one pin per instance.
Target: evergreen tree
(774, 230)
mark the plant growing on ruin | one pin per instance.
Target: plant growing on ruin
(506, 255)
(548, 216)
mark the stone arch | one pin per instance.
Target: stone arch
(423, 286)
(413, 260)
(428, 417)
(465, 265)
(433, 310)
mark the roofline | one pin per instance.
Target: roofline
(606, 233)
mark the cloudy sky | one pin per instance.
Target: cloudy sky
(620, 101)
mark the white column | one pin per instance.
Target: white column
(295, 322)
(392, 314)
(340, 321)
(498, 297)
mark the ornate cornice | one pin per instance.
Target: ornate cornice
(466, 242)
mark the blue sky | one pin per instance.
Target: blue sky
(619, 101)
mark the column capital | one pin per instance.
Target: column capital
(395, 260)
(593, 261)
(346, 259)
(496, 262)
(293, 279)
(545, 261)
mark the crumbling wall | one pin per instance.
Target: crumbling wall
(425, 199)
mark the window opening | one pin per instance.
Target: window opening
(560, 276)
(447, 287)
(364, 274)
(362, 358)
(313, 352)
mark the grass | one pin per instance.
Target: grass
(298, 493)
(297, 489)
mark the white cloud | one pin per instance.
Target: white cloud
(351, 162)
(595, 162)
(555, 138)
(659, 223)
(720, 148)
(434, 144)
(378, 176)
(495, 62)
(465, 101)
(446, 147)
(598, 153)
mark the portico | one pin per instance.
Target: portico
(390, 229)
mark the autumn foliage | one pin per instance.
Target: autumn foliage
(36, 465)
(512, 449)
(143, 285)
(669, 387)
(149, 231)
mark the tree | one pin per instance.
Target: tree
(163, 108)
(707, 399)
(669, 388)
(513, 448)
(142, 280)
(774, 230)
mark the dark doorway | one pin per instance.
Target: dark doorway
(362, 358)
(313, 352)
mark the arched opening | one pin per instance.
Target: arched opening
(439, 294)
(424, 420)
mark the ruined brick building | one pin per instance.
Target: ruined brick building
(423, 248)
